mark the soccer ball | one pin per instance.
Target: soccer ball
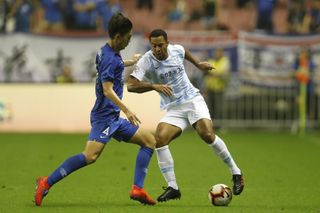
(220, 195)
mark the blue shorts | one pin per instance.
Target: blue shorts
(120, 129)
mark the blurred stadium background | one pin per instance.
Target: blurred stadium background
(267, 55)
(270, 58)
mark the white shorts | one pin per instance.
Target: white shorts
(187, 113)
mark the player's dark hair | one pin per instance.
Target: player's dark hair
(157, 33)
(119, 24)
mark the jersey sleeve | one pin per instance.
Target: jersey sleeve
(141, 69)
(108, 71)
(180, 49)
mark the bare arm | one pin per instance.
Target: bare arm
(134, 85)
(132, 61)
(109, 93)
(204, 66)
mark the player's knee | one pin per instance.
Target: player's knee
(161, 140)
(148, 140)
(91, 158)
(151, 143)
(208, 137)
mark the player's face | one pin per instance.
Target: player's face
(124, 40)
(159, 47)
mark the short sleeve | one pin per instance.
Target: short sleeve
(180, 49)
(142, 68)
(108, 71)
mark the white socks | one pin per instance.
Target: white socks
(222, 151)
(166, 164)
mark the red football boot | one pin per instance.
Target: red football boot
(42, 190)
(142, 196)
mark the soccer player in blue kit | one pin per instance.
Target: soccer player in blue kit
(106, 122)
(161, 69)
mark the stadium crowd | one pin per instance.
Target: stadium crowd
(275, 16)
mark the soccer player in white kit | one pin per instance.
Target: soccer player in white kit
(161, 69)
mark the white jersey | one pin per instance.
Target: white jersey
(171, 72)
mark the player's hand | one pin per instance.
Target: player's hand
(205, 66)
(132, 61)
(164, 89)
(136, 57)
(132, 118)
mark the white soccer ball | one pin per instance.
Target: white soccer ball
(220, 195)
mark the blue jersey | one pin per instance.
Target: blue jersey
(109, 67)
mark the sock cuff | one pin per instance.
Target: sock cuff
(216, 138)
(82, 158)
(147, 149)
(162, 148)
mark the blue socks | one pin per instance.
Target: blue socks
(142, 163)
(78, 161)
(70, 165)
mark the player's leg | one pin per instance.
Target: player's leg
(145, 139)
(204, 128)
(199, 117)
(90, 154)
(165, 133)
(92, 151)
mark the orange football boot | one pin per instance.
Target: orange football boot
(42, 190)
(142, 196)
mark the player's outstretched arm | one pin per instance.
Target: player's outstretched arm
(132, 61)
(204, 66)
(134, 85)
(109, 93)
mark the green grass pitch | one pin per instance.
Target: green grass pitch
(282, 174)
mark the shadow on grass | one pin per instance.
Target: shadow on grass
(105, 204)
